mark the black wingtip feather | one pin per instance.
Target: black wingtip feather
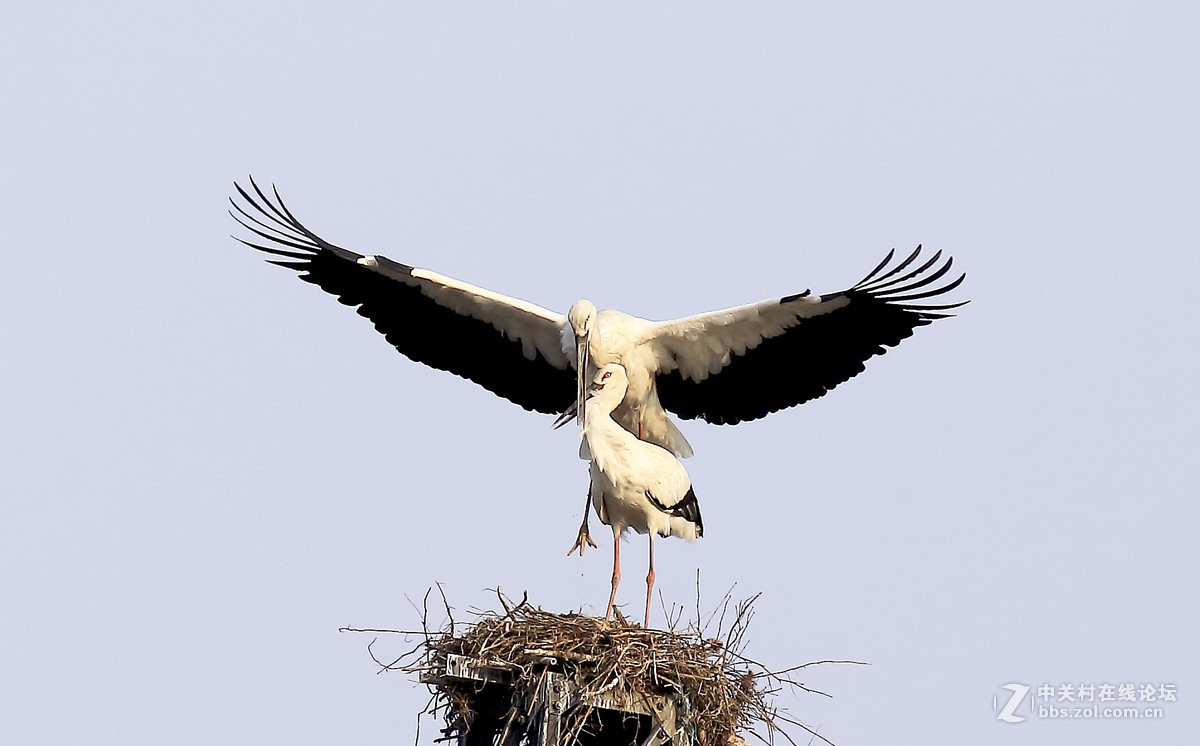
(928, 293)
(276, 223)
(879, 285)
(894, 270)
(875, 271)
(298, 266)
(893, 293)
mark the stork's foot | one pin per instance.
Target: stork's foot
(584, 540)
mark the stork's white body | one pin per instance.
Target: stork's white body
(634, 484)
(624, 469)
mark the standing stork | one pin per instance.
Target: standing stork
(723, 367)
(634, 484)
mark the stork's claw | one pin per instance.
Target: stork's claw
(584, 539)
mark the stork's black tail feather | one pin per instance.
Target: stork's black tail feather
(688, 509)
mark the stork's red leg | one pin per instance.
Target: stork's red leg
(616, 577)
(649, 583)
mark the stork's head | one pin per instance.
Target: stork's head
(608, 386)
(582, 318)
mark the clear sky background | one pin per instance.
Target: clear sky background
(208, 467)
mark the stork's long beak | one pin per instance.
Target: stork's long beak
(582, 359)
(565, 417)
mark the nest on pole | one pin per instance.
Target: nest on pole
(712, 691)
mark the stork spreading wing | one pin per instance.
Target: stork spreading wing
(743, 363)
(510, 347)
(724, 367)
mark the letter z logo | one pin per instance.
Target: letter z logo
(1018, 695)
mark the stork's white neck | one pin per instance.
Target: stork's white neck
(602, 403)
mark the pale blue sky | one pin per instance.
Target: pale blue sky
(209, 466)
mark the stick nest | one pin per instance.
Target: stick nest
(718, 692)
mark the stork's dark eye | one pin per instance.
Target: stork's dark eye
(606, 376)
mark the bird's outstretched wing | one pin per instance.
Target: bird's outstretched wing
(743, 363)
(510, 347)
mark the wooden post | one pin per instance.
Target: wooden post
(613, 718)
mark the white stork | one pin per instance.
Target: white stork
(634, 484)
(724, 367)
